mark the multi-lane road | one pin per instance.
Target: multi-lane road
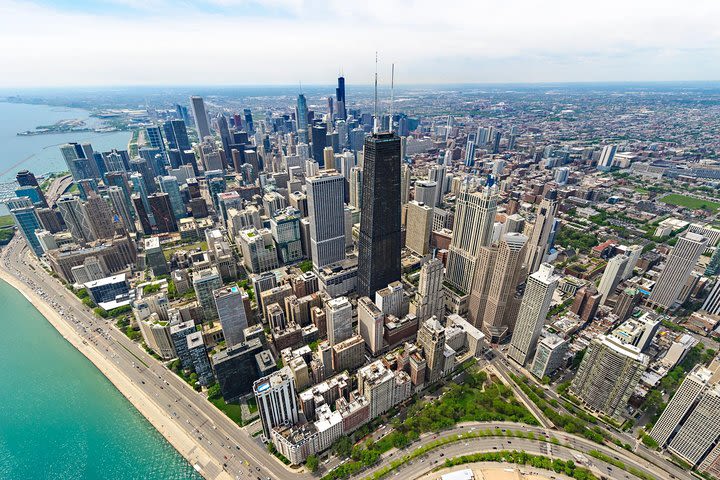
(218, 448)
(571, 447)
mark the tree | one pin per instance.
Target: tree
(312, 463)
(343, 447)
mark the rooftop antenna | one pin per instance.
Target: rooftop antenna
(300, 81)
(392, 95)
(376, 127)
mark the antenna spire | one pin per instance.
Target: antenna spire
(392, 95)
(376, 127)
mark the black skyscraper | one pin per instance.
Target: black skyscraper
(379, 243)
(26, 178)
(162, 212)
(340, 94)
(319, 142)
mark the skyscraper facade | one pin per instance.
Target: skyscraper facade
(608, 375)
(429, 300)
(379, 242)
(325, 193)
(472, 230)
(538, 243)
(678, 266)
(533, 311)
(202, 123)
(612, 276)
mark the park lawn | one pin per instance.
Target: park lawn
(230, 409)
(190, 246)
(6, 220)
(690, 202)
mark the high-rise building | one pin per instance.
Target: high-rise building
(587, 300)
(155, 137)
(538, 242)
(472, 230)
(205, 282)
(470, 154)
(301, 117)
(533, 311)
(371, 322)
(99, 216)
(688, 426)
(499, 272)
(338, 313)
(425, 192)
(626, 302)
(340, 97)
(712, 302)
(607, 155)
(405, 175)
(275, 396)
(390, 299)
(633, 253)
(612, 276)
(379, 242)
(28, 222)
(431, 338)
(162, 212)
(285, 228)
(117, 200)
(258, 250)
(230, 306)
(202, 124)
(429, 300)
(319, 142)
(26, 178)
(549, 356)
(325, 193)
(678, 266)
(73, 215)
(169, 185)
(608, 375)
(418, 227)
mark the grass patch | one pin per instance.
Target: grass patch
(690, 202)
(232, 410)
(252, 405)
(6, 221)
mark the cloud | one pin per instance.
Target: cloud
(230, 42)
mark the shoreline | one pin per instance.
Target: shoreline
(175, 436)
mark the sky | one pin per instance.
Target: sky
(60, 43)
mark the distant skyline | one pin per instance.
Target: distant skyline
(67, 43)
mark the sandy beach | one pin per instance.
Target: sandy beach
(166, 425)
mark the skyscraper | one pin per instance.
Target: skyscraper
(608, 375)
(28, 222)
(231, 313)
(678, 266)
(612, 276)
(474, 219)
(340, 96)
(201, 117)
(162, 212)
(205, 282)
(688, 426)
(99, 216)
(319, 142)
(429, 300)
(502, 296)
(74, 217)
(418, 227)
(117, 200)
(431, 338)
(169, 185)
(275, 396)
(301, 117)
(533, 310)
(325, 193)
(379, 243)
(371, 322)
(338, 313)
(607, 155)
(538, 243)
